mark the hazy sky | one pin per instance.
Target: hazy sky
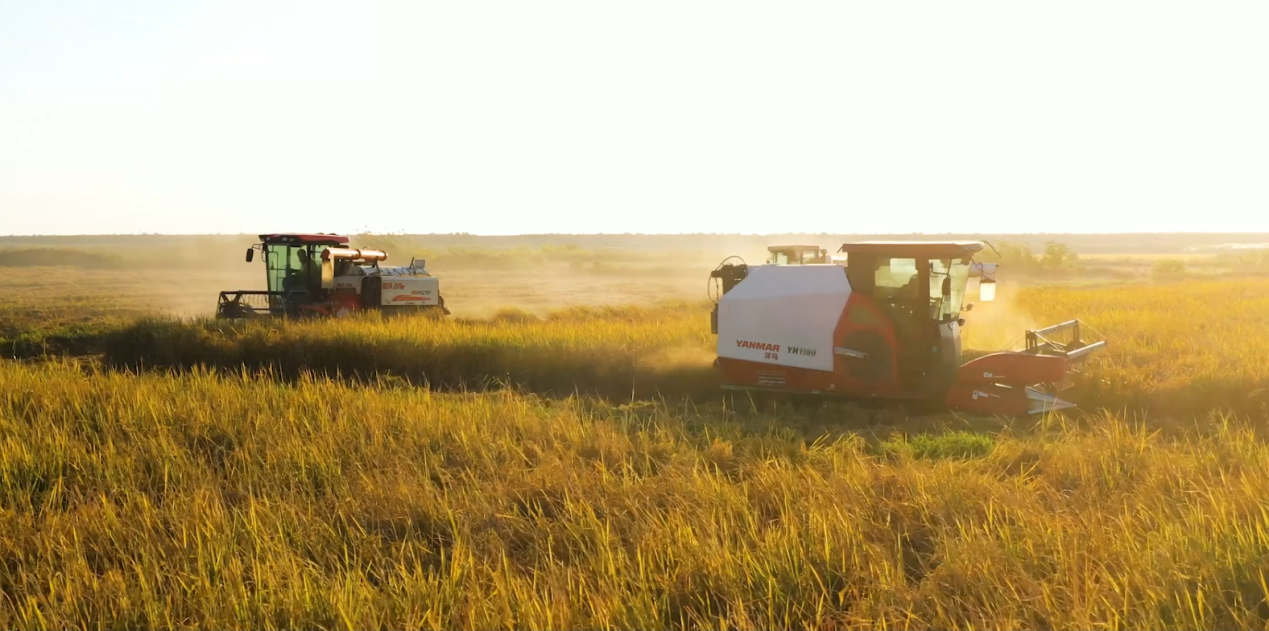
(514, 117)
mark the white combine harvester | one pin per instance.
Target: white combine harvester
(884, 322)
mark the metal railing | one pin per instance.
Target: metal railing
(1040, 342)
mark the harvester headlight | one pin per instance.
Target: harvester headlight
(987, 290)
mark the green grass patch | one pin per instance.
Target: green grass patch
(952, 445)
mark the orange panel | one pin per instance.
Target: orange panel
(987, 399)
(864, 327)
(1013, 368)
(739, 372)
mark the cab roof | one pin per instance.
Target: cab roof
(305, 239)
(777, 248)
(914, 248)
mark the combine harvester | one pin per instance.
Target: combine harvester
(882, 323)
(317, 275)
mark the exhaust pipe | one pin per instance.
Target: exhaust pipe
(329, 256)
(349, 253)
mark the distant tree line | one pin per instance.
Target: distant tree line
(1056, 257)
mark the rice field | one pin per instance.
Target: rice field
(576, 469)
(1176, 350)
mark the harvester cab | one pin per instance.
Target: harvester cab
(319, 275)
(886, 323)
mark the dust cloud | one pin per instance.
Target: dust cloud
(194, 293)
(183, 276)
(469, 293)
(678, 358)
(481, 294)
(997, 325)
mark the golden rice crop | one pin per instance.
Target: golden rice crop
(203, 500)
(1174, 350)
(223, 497)
(1178, 349)
(613, 351)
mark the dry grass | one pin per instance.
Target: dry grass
(1176, 350)
(221, 501)
(614, 352)
(212, 497)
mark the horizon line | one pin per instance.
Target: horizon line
(626, 234)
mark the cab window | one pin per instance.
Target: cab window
(957, 272)
(897, 277)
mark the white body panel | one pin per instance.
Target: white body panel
(411, 290)
(400, 285)
(784, 315)
(344, 283)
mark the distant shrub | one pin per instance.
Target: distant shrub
(1058, 256)
(1168, 269)
(1244, 261)
(513, 315)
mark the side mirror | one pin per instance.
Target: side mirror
(969, 306)
(987, 290)
(251, 254)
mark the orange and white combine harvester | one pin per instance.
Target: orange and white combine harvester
(884, 322)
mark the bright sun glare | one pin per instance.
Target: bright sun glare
(234, 116)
